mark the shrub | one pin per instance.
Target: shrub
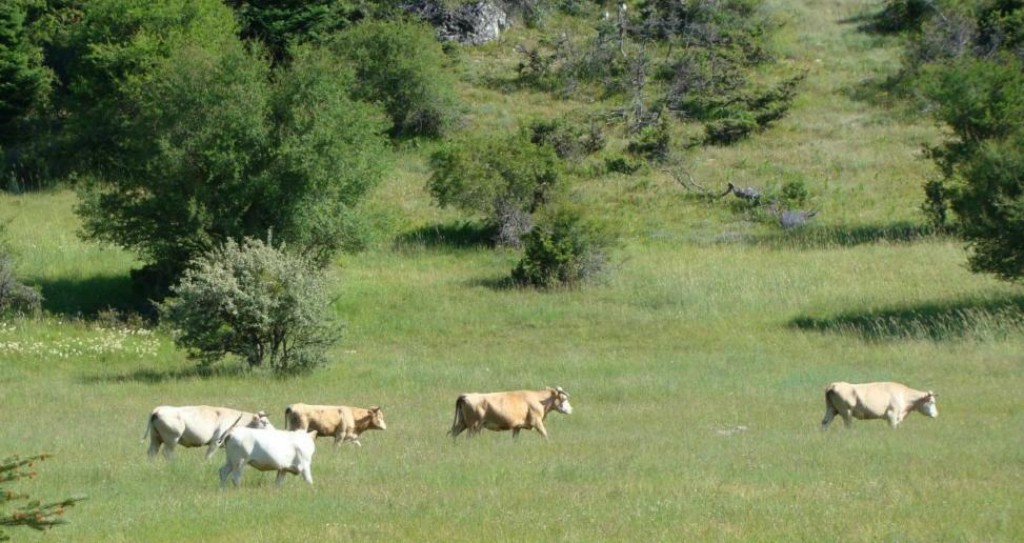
(569, 140)
(623, 165)
(502, 178)
(255, 301)
(15, 296)
(563, 249)
(651, 143)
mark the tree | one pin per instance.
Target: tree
(255, 301)
(401, 65)
(35, 514)
(982, 101)
(279, 24)
(209, 142)
(564, 249)
(504, 178)
(25, 87)
(24, 81)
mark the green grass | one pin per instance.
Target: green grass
(696, 367)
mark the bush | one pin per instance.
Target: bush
(569, 140)
(564, 249)
(502, 178)
(254, 301)
(652, 143)
(15, 296)
(623, 165)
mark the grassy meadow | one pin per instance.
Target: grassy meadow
(696, 367)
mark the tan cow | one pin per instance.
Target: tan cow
(341, 421)
(195, 426)
(516, 410)
(885, 400)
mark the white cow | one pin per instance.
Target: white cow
(886, 400)
(268, 450)
(196, 426)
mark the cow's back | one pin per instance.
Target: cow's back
(194, 425)
(322, 419)
(269, 449)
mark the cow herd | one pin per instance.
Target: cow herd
(250, 438)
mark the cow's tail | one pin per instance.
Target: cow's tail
(458, 419)
(224, 436)
(149, 425)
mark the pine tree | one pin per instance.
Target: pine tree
(34, 514)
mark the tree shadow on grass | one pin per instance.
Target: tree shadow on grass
(86, 298)
(461, 235)
(157, 376)
(936, 321)
(823, 237)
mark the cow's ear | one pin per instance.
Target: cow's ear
(932, 394)
(375, 408)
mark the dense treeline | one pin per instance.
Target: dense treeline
(186, 125)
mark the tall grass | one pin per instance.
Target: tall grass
(697, 368)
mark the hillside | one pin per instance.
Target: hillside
(696, 366)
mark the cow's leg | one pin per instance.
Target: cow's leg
(539, 426)
(847, 418)
(893, 416)
(236, 473)
(224, 471)
(307, 474)
(280, 477)
(515, 433)
(169, 449)
(212, 448)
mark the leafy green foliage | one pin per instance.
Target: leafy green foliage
(24, 81)
(255, 301)
(35, 514)
(501, 178)
(280, 24)
(401, 65)
(209, 142)
(702, 61)
(568, 139)
(901, 16)
(651, 143)
(563, 249)
(25, 97)
(966, 61)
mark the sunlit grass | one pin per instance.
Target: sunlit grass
(697, 365)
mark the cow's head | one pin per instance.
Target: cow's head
(377, 419)
(927, 405)
(560, 401)
(260, 420)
